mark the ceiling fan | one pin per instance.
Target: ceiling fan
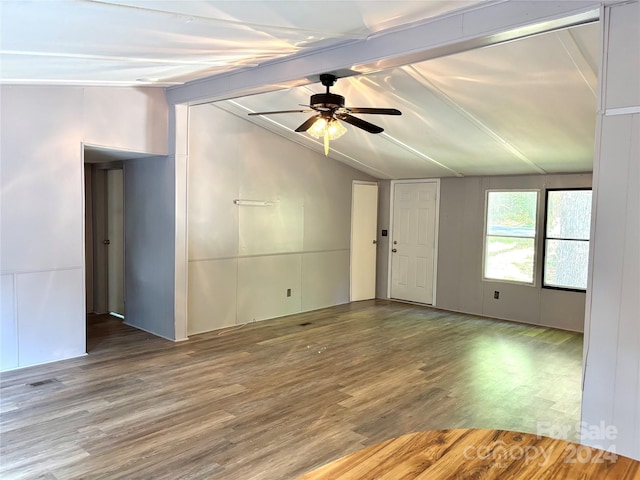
(330, 108)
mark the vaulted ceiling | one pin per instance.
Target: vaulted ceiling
(525, 106)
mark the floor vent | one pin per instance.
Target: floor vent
(43, 382)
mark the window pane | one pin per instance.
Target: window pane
(512, 214)
(508, 258)
(566, 264)
(569, 214)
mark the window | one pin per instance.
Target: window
(510, 235)
(566, 239)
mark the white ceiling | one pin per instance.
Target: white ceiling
(168, 42)
(526, 106)
(522, 107)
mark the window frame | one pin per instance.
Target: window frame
(545, 238)
(534, 280)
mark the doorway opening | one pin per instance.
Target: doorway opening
(104, 238)
(104, 248)
(105, 252)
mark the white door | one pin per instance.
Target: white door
(413, 241)
(364, 223)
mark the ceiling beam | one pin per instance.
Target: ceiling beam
(587, 71)
(420, 154)
(487, 24)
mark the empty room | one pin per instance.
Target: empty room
(320, 239)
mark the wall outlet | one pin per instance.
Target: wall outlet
(288, 292)
(496, 294)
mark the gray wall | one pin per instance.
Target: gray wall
(460, 286)
(149, 244)
(242, 259)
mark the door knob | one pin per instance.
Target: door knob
(394, 250)
(107, 242)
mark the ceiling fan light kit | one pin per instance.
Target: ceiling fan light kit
(323, 127)
(328, 129)
(331, 109)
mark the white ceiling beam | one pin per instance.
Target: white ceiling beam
(487, 24)
(419, 154)
(118, 58)
(579, 59)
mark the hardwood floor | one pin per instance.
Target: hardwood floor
(275, 399)
(477, 454)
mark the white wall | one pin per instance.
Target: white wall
(612, 335)
(132, 119)
(242, 259)
(42, 236)
(460, 286)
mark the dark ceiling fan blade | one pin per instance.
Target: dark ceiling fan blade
(357, 122)
(376, 111)
(316, 108)
(280, 111)
(310, 121)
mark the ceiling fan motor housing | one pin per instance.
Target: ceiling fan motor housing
(327, 100)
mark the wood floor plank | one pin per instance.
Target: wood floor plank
(278, 398)
(480, 454)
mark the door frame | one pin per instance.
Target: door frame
(392, 191)
(353, 184)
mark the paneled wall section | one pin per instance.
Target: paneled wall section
(612, 336)
(460, 250)
(243, 259)
(42, 256)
